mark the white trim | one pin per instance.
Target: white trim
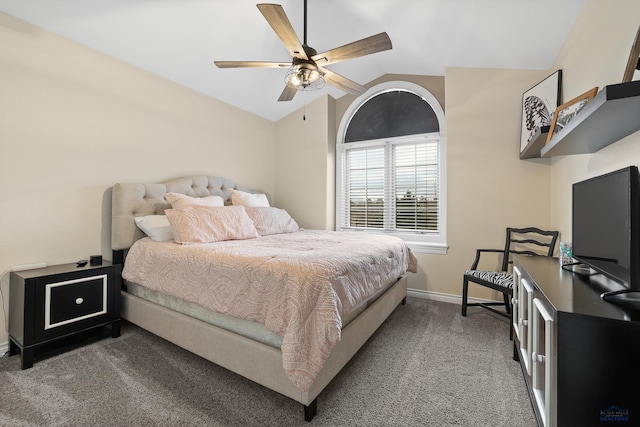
(4, 348)
(438, 296)
(428, 248)
(439, 242)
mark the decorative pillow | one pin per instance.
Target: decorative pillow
(204, 224)
(155, 226)
(179, 201)
(272, 220)
(242, 198)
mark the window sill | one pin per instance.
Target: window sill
(428, 248)
(412, 241)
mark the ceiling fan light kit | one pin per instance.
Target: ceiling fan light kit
(304, 73)
(304, 76)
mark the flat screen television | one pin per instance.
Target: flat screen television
(606, 225)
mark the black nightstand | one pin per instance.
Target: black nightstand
(60, 301)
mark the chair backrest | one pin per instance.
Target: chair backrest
(528, 241)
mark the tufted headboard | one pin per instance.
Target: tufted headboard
(130, 200)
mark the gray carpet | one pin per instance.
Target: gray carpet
(426, 366)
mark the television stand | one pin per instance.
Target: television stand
(579, 354)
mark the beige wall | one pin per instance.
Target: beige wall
(73, 122)
(595, 54)
(489, 187)
(305, 164)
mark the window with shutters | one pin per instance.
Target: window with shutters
(390, 166)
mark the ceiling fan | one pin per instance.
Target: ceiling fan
(307, 71)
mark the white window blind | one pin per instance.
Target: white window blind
(392, 185)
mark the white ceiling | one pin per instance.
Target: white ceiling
(180, 39)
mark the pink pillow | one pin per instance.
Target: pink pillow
(204, 224)
(178, 200)
(272, 220)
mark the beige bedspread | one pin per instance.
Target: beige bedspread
(299, 285)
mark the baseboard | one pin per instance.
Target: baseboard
(438, 296)
(4, 347)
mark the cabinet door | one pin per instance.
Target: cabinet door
(515, 302)
(524, 321)
(542, 364)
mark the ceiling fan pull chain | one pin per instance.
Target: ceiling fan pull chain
(304, 108)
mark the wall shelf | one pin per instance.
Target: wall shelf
(611, 115)
(532, 150)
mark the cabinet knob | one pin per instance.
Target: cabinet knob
(524, 322)
(537, 357)
(79, 301)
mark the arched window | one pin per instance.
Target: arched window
(390, 166)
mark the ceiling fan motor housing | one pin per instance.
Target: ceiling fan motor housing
(303, 73)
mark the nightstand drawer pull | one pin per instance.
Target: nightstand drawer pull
(79, 301)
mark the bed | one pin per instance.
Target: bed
(295, 337)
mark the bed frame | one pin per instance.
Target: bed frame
(253, 360)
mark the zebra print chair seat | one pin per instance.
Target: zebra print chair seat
(522, 241)
(504, 279)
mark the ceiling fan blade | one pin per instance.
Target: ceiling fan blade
(251, 64)
(275, 16)
(288, 93)
(373, 44)
(342, 82)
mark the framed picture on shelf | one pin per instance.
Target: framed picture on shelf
(633, 63)
(567, 111)
(538, 106)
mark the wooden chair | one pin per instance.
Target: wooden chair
(522, 241)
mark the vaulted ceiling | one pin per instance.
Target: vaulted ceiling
(180, 39)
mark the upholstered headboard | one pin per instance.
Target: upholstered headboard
(130, 200)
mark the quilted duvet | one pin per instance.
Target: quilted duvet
(299, 285)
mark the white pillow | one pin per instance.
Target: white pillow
(179, 201)
(155, 226)
(250, 200)
(203, 224)
(272, 221)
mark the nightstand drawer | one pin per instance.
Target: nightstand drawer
(75, 300)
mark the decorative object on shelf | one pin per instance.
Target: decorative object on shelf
(610, 116)
(633, 63)
(566, 253)
(567, 111)
(538, 105)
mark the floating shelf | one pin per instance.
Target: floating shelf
(611, 115)
(539, 138)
